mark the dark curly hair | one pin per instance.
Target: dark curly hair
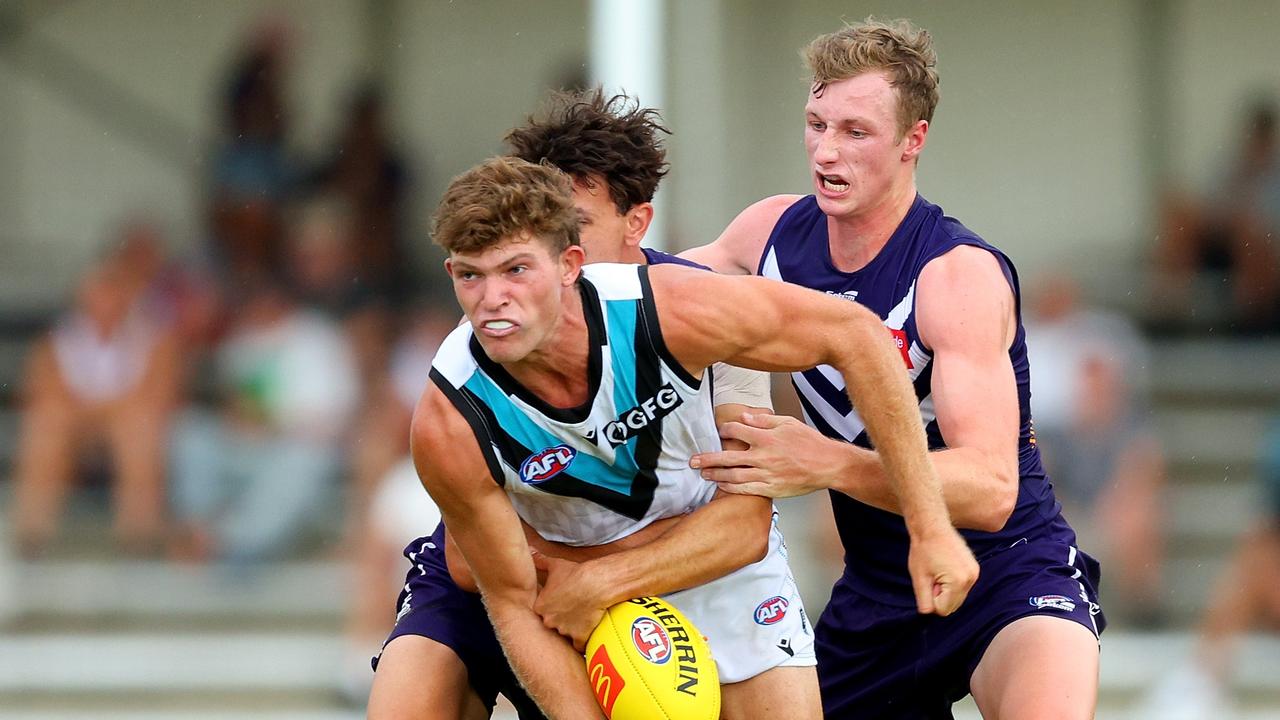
(586, 133)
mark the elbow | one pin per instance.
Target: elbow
(999, 505)
(755, 544)
(757, 548)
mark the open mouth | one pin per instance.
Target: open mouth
(497, 328)
(832, 184)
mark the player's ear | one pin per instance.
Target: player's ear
(915, 140)
(571, 261)
(448, 266)
(638, 219)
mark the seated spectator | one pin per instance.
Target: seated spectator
(1093, 429)
(105, 378)
(248, 475)
(1245, 597)
(1228, 233)
(321, 252)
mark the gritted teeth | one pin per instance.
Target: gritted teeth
(833, 183)
(499, 324)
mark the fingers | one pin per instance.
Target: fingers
(749, 433)
(923, 584)
(540, 561)
(947, 598)
(749, 488)
(765, 421)
(733, 475)
(722, 459)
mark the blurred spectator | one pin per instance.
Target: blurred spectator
(248, 476)
(381, 438)
(1245, 597)
(366, 172)
(105, 378)
(1228, 233)
(252, 175)
(322, 254)
(1092, 426)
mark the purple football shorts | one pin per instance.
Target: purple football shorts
(884, 661)
(433, 606)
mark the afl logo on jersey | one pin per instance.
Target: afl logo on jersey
(546, 464)
(651, 640)
(771, 611)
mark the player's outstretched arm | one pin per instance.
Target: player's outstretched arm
(767, 325)
(488, 533)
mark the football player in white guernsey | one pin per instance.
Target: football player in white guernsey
(510, 230)
(612, 149)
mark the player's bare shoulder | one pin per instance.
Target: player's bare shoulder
(965, 287)
(738, 249)
(445, 451)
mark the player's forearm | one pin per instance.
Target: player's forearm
(547, 666)
(976, 498)
(716, 539)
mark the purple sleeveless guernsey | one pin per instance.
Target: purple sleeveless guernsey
(876, 541)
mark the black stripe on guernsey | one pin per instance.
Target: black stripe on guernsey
(649, 319)
(595, 341)
(478, 417)
(836, 398)
(514, 454)
(819, 423)
(648, 382)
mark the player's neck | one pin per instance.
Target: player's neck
(855, 240)
(556, 371)
(632, 254)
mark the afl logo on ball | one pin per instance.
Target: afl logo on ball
(651, 640)
(771, 611)
(546, 464)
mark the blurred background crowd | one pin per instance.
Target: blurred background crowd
(218, 305)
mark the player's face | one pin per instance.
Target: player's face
(855, 156)
(512, 294)
(606, 234)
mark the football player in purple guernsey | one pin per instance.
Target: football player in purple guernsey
(1025, 643)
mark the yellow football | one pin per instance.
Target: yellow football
(646, 661)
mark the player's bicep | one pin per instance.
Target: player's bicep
(759, 324)
(965, 315)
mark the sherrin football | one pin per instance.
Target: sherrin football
(646, 661)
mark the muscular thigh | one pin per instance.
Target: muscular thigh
(421, 679)
(790, 692)
(1038, 667)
